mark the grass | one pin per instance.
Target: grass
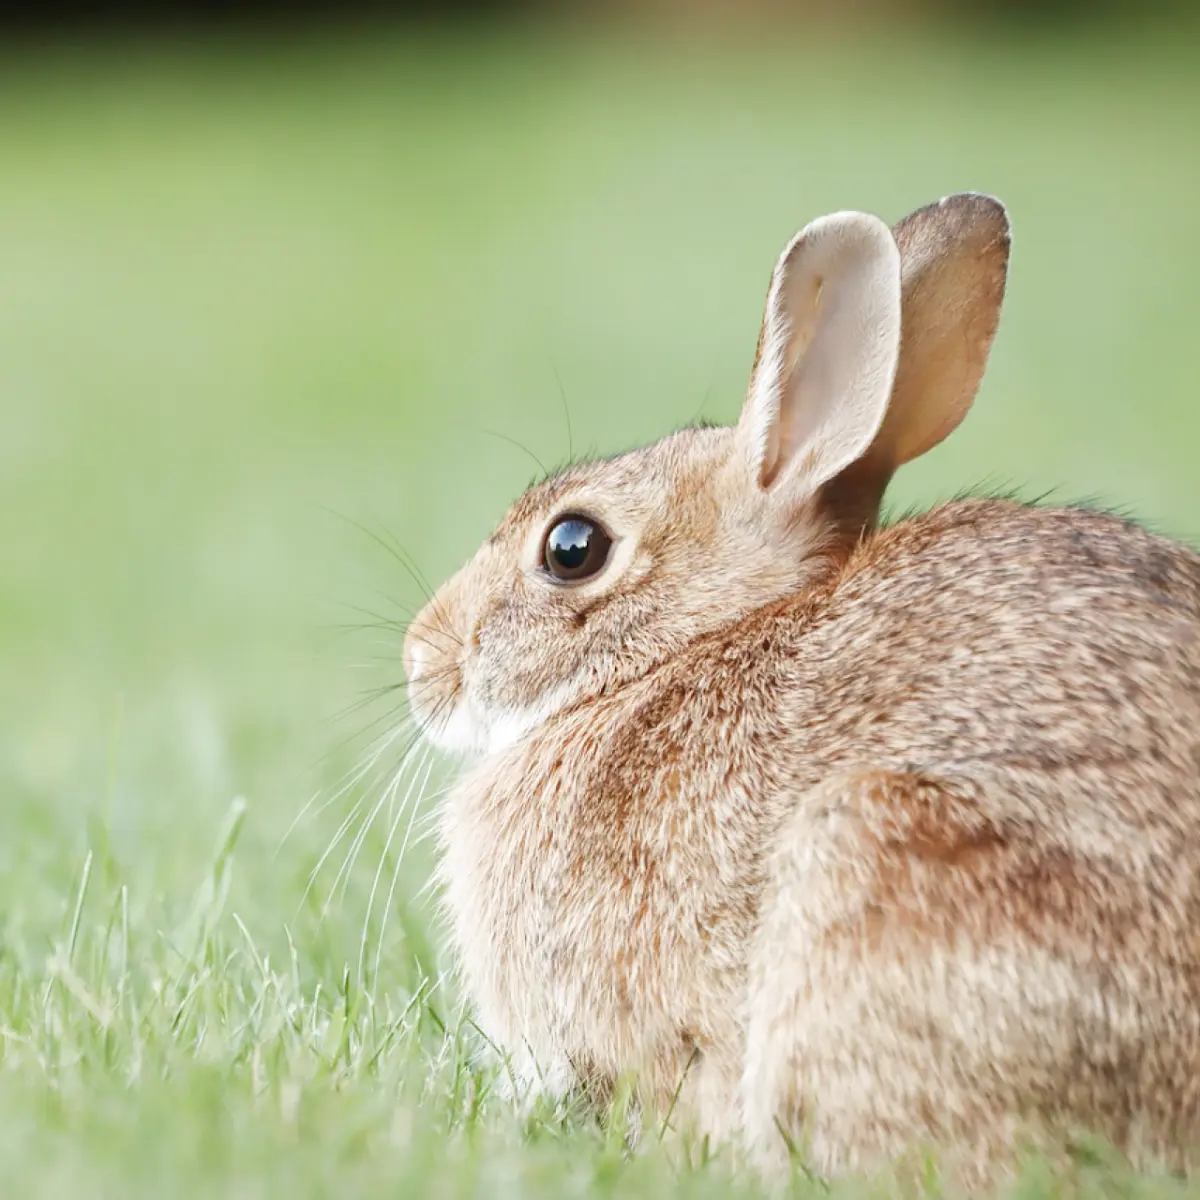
(253, 297)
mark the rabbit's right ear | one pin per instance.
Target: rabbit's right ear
(954, 265)
(827, 355)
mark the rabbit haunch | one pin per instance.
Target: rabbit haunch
(876, 839)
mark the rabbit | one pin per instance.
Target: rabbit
(836, 837)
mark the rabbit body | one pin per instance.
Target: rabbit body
(833, 837)
(911, 855)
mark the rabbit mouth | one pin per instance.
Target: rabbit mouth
(436, 698)
(458, 724)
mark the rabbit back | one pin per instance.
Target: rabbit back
(979, 924)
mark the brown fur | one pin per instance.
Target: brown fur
(873, 838)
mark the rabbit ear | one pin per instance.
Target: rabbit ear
(827, 353)
(954, 263)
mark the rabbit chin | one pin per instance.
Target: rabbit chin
(478, 733)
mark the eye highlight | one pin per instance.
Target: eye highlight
(576, 548)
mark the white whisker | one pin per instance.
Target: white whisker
(354, 776)
(394, 824)
(349, 780)
(333, 844)
(342, 878)
(296, 821)
(396, 872)
(423, 893)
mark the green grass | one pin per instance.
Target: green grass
(247, 292)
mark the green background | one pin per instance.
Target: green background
(254, 296)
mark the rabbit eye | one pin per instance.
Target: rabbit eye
(576, 548)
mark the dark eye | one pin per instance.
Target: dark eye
(575, 548)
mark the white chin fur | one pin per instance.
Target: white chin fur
(464, 731)
(456, 732)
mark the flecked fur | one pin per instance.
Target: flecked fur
(874, 838)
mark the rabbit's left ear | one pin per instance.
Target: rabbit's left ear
(827, 355)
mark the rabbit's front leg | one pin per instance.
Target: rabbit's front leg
(890, 1006)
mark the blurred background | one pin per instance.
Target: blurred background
(268, 277)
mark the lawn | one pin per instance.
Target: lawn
(265, 307)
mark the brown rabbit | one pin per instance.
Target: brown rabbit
(875, 838)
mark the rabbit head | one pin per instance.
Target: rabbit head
(872, 347)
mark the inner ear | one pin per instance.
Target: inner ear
(827, 353)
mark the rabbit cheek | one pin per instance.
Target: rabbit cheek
(511, 698)
(510, 725)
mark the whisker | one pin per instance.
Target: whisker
(316, 871)
(376, 619)
(541, 466)
(445, 705)
(395, 720)
(389, 601)
(423, 637)
(427, 828)
(342, 629)
(373, 662)
(295, 822)
(394, 714)
(355, 774)
(391, 647)
(413, 573)
(403, 706)
(355, 844)
(367, 697)
(426, 764)
(343, 876)
(390, 543)
(562, 391)
(387, 542)
(438, 626)
(425, 891)
(349, 781)
(428, 818)
(396, 875)
(383, 621)
(405, 556)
